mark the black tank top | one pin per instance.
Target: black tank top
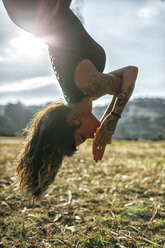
(71, 45)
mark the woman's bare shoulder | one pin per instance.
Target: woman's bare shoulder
(85, 65)
(93, 83)
(83, 71)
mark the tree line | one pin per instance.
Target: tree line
(143, 118)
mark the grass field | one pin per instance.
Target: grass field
(117, 202)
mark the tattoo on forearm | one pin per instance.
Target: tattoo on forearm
(95, 87)
(122, 100)
(124, 97)
(130, 89)
(111, 125)
(100, 85)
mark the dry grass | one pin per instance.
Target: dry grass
(117, 202)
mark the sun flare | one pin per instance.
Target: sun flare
(28, 45)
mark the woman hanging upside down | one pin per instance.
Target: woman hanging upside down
(78, 61)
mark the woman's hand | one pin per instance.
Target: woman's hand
(103, 136)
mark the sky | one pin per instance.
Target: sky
(132, 32)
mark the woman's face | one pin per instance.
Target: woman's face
(87, 127)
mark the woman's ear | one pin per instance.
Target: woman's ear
(73, 120)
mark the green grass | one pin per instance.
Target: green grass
(116, 203)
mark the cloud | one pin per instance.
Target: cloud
(30, 84)
(127, 39)
(20, 70)
(15, 65)
(7, 28)
(44, 91)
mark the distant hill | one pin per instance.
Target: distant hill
(143, 118)
(15, 117)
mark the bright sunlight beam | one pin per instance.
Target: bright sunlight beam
(28, 45)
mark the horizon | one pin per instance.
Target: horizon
(100, 104)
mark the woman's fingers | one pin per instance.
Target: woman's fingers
(98, 150)
(99, 153)
(95, 149)
(96, 142)
(99, 143)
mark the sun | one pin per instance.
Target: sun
(27, 44)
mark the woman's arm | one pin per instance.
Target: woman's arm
(128, 75)
(93, 83)
(119, 83)
(109, 123)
